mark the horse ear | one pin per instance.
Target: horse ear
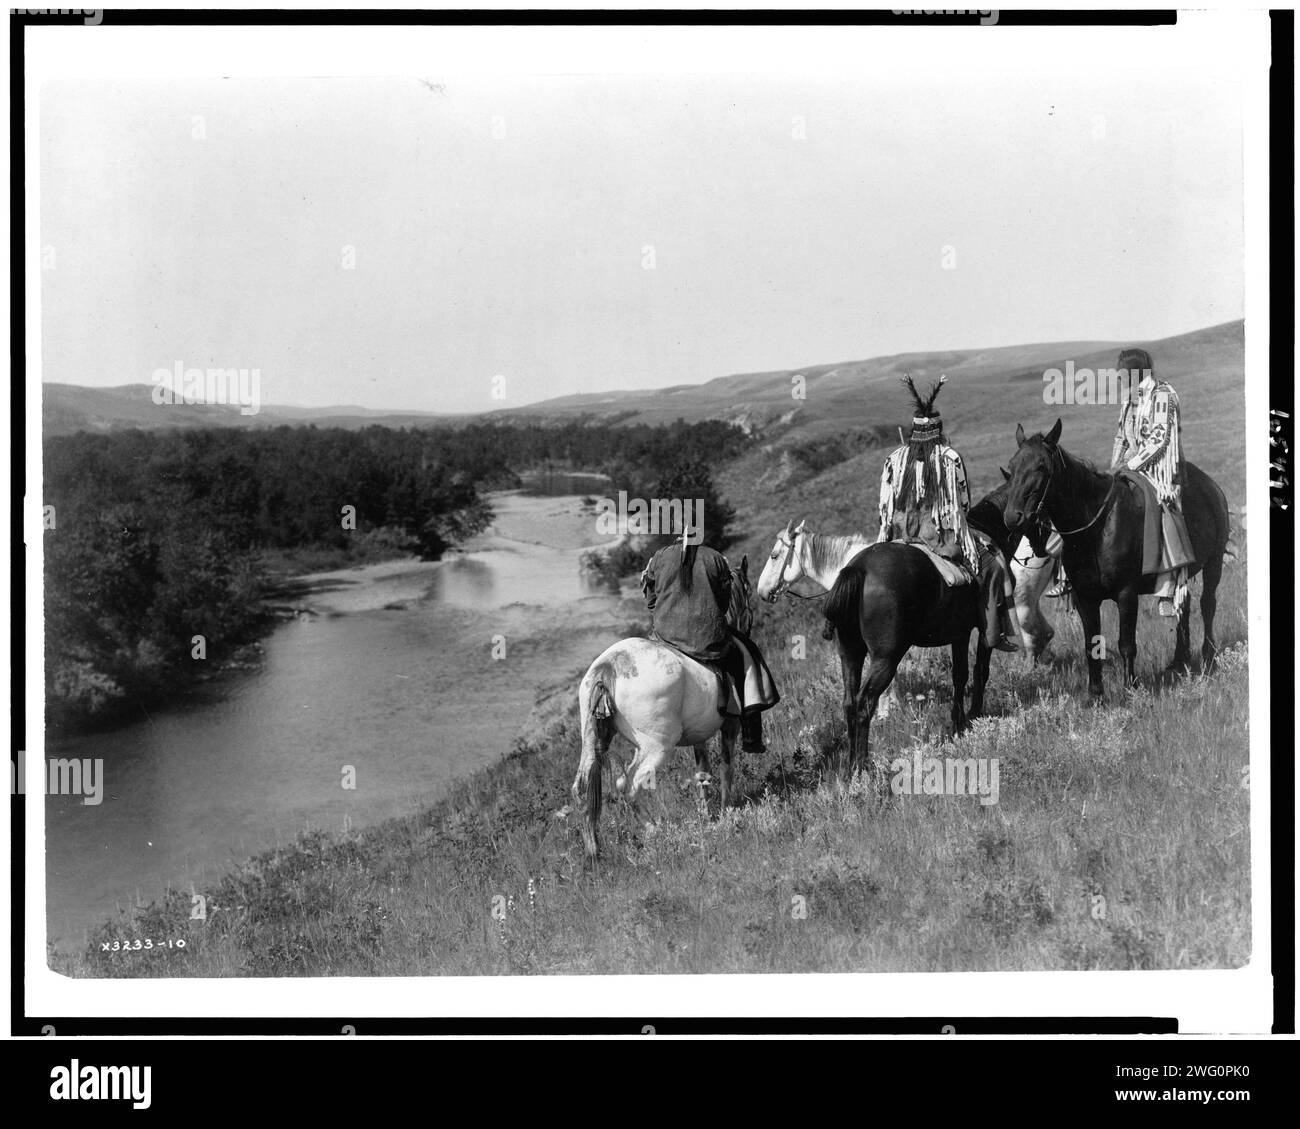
(744, 566)
(1055, 434)
(799, 530)
(1020, 436)
(1006, 474)
(789, 527)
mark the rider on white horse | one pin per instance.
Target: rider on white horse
(687, 587)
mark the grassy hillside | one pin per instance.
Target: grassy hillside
(1120, 839)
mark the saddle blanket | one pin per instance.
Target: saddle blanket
(954, 573)
(1163, 544)
(760, 691)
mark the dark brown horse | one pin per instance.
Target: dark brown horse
(890, 598)
(1100, 518)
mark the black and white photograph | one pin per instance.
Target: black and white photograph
(550, 503)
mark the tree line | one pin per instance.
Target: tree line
(156, 538)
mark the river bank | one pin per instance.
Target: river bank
(408, 674)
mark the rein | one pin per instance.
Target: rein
(1042, 501)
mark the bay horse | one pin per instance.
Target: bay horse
(658, 699)
(1100, 519)
(886, 598)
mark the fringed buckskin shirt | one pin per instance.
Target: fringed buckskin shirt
(694, 622)
(945, 511)
(1148, 439)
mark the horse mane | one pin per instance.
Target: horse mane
(1076, 462)
(827, 549)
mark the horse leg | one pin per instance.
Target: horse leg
(879, 676)
(982, 656)
(1210, 576)
(1127, 601)
(702, 773)
(652, 749)
(1181, 663)
(851, 669)
(960, 673)
(1090, 618)
(726, 746)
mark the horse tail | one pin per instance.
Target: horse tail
(842, 606)
(597, 732)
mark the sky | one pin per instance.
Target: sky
(400, 243)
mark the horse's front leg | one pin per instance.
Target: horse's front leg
(982, 655)
(1090, 618)
(702, 774)
(960, 672)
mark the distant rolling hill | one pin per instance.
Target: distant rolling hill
(988, 392)
(68, 408)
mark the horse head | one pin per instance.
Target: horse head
(1030, 479)
(782, 568)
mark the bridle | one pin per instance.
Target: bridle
(1042, 498)
(782, 587)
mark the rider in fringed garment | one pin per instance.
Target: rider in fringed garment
(1148, 441)
(924, 497)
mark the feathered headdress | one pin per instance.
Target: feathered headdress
(924, 405)
(925, 434)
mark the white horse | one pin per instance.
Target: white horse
(658, 699)
(1032, 574)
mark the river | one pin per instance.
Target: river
(412, 673)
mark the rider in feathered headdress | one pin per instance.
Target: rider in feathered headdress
(924, 497)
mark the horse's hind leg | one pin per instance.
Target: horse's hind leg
(652, 749)
(879, 676)
(851, 660)
(960, 673)
(1210, 576)
(726, 746)
(1127, 602)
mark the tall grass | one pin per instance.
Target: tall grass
(1120, 841)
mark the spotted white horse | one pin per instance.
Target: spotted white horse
(658, 699)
